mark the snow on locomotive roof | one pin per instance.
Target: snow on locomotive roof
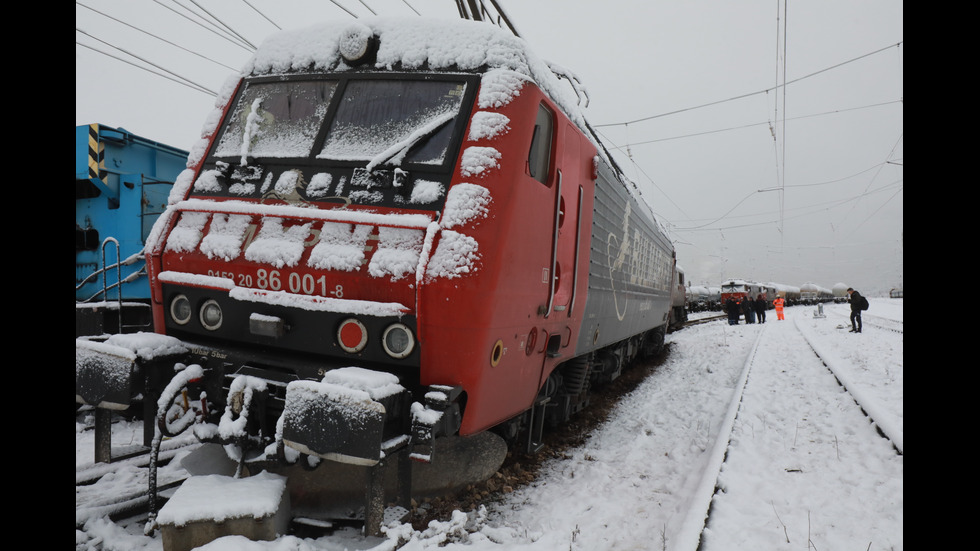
(410, 44)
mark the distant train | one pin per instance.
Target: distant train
(740, 290)
(122, 183)
(394, 246)
(808, 293)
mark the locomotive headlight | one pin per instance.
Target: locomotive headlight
(180, 309)
(355, 41)
(211, 316)
(398, 341)
(352, 335)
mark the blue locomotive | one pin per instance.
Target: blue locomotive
(122, 184)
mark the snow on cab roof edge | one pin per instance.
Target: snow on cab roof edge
(412, 44)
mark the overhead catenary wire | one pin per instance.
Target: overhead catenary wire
(350, 13)
(176, 77)
(750, 94)
(363, 3)
(411, 7)
(178, 80)
(121, 22)
(220, 22)
(819, 207)
(754, 124)
(266, 17)
(208, 27)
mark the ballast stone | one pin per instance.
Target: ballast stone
(206, 508)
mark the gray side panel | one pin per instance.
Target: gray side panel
(630, 268)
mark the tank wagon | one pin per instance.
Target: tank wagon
(811, 293)
(789, 293)
(697, 298)
(122, 182)
(392, 246)
(680, 303)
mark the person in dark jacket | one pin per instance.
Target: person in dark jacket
(733, 310)
(748, 309)
(760, 308)
(856, 302)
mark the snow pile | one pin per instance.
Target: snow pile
(257, 497)
(398, 252)
(341, 247)
(498, 87)
(377, 384)
(487, 124)
(277, 245)
(478, 160)
(319, 185)
(426, 191)
(225, 236)
(465, 203)
(455, 256)
(187, 233)
(145, 346)
(208, 182)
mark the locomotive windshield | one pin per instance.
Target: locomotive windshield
(348, 139)
(394, 119)
(380, 121)
(276, 119)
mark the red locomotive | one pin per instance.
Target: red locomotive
(401, 232)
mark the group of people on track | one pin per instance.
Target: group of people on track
(752, 309)
(757, 308)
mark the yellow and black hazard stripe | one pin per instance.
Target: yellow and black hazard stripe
(96, 152)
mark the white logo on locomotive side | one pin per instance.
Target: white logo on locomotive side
(641, 261)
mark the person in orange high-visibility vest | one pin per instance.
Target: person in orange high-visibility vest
(778, 303)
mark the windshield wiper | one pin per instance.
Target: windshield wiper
(398, 150)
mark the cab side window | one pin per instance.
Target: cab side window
(539, 156)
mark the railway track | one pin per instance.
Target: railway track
(699, 321)
(713, 487)
(127, 475)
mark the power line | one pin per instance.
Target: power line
(178, 80)
(766, 91)
(207, 27)
(223, 24)
(350, 13)
(363, 3)
(155, 36)
(750, 125)
(819, 207)
(410, 7)
(249, 4)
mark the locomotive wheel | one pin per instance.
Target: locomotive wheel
(654, 344)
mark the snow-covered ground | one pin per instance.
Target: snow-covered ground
(745, 418)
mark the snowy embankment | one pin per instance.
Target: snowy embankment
(803, 465)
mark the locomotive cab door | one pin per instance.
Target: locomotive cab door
(567, 229)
